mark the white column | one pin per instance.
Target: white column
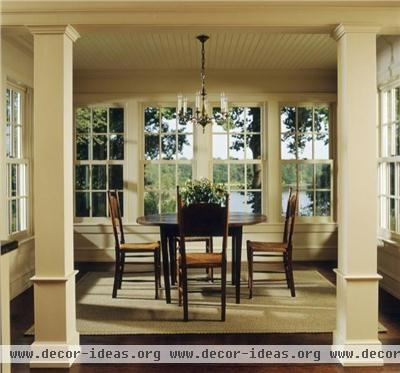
(357, 278)
(54, 280)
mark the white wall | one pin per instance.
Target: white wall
(16, 66)
(94, 242)
(388, 65)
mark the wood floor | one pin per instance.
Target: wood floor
(22, 319)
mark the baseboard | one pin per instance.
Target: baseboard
(21, 283)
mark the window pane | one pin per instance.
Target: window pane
(185, 126)
(116, 147)
(253, 149)
(82, 181)
(82, 147)
(8, 141)
(220, 173)
(185, 147)
(184, 173)
(392, 178)
(237, 119)
(321, 149)
(254, 176)
(168, 147)
(151, 147)
(151, 203)
(17, 142)
(288, 146)
(14, 216)
(151, 176)
(23, 217)
(99, 177)
(323, 176)
(237, 201)
(220, 147)
(100, 147)
(392, 219)
(168, 119)
(116, 176)
(398, 138)
(237, 176)
(82, 204)
(305, 119)
(8, 106)
(306, 176)
(116, 120)
(168, 202)
(289, 174)
(17, 107)
(100, 120)
(321, 119)
(218, 124)
(83, 119)
(397, 103)
(284, 199)
(99, 207)
(21, 180)
(236, 146)
(14, 182)
(253, 119)
(304, 145)
(168, 177)
(288, 119)
(121, 202)
(323, 203)
(306, 203)
(152, 120)
(254, 202)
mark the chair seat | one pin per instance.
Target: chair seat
(200, 260)
(140, 246)
(268, 246)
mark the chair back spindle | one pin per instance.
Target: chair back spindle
(116, 219)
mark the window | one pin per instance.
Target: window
(99, 158)
(389, 160)
(16, 160)
(237, 157)
(305, 158)
(168, 158)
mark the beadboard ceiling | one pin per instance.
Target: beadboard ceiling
(179, 49)
(225, 50)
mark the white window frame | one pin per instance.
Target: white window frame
(315, 219)
(22, 162)
(90, 162)
(386, 156)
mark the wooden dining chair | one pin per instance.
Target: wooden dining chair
(201, 220)
(124, 250)
(276, 249)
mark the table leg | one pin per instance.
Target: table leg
(233, 258)
(172, 258)
(164, 251)
(238, 260)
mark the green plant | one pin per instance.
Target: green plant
(202, 191)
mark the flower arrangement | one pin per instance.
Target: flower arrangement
(203, 191)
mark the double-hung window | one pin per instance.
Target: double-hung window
(16, 160)
(237, 157)
(389, 160)
(306, 162)
(99, 159)
(167, 157)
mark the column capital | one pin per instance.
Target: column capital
(67, 30)
(346, 28)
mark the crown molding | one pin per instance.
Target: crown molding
(67, 30)
(345, 28)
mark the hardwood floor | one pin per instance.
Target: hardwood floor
(22, 319)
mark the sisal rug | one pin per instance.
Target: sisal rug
(272, 309)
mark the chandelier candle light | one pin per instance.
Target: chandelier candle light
(201, 115)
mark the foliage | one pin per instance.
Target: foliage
(203, 191)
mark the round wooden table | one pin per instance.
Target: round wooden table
(169, 229)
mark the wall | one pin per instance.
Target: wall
(388, 66)
(17, 66)
(94, 241)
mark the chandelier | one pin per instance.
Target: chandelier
(202, 115)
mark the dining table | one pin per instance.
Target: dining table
(169, 230)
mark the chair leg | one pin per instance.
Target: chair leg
(156, 281)
(121, 273)
(250, 270)
(116, 276)
(212, 251)
(286, 266)
(172, 242)
(185, 295)
(208, 269)
(223, 291)
(179, 287)
(290, 267)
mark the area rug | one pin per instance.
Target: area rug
(272, 309)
